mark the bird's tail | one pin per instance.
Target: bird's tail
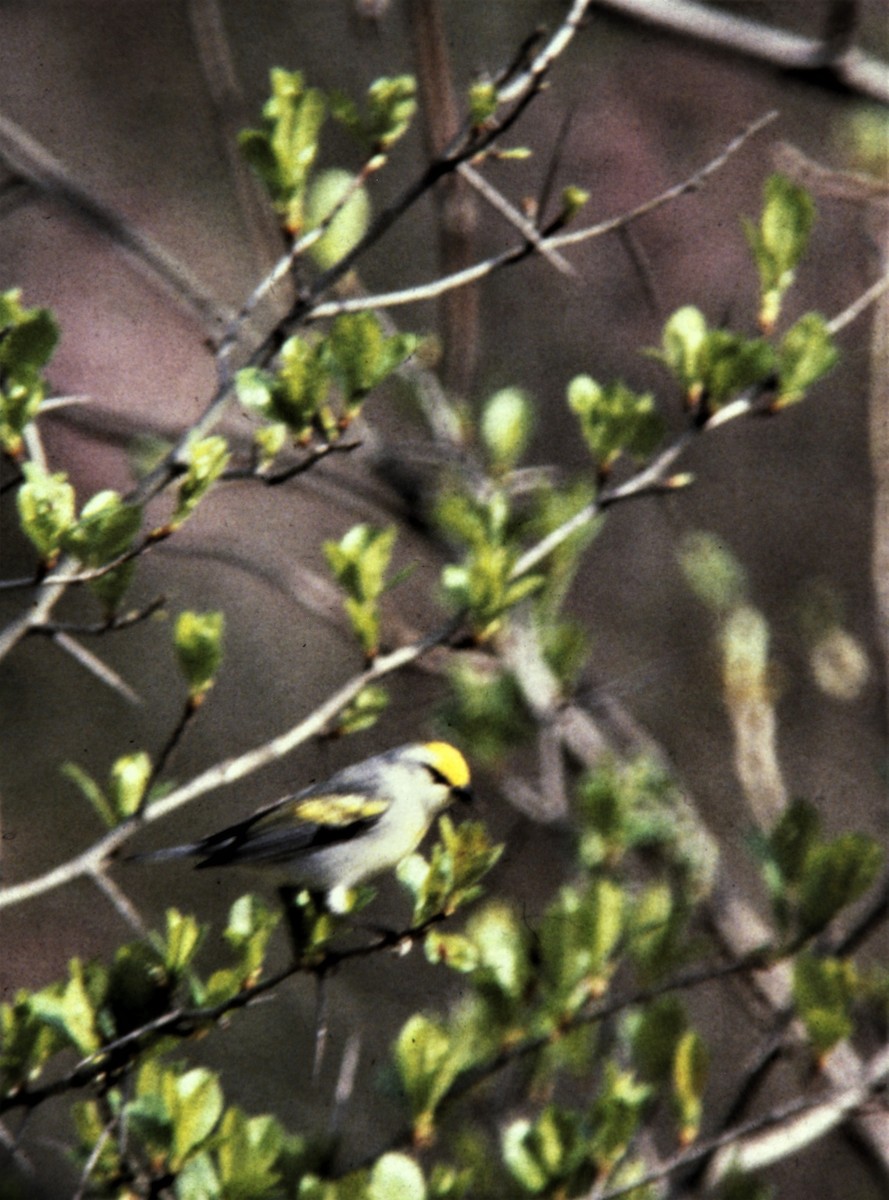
(164, 854)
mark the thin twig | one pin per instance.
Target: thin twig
(92, 1159)
(189, 711)
(275, 478)
(514, 254)
(121, 903)
(518, 220)
(99, 628)
(97, 667)
(859, 305)
(542, 63)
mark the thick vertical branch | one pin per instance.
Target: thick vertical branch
(457, 209)
(879, 444)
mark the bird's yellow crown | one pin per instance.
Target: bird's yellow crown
(448, 760)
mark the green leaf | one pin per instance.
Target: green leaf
(364, 711)
(251, 924)
(91, 790)
(361, 559)
(483, 582)
(69, 1009)
(248, 1156)
(506, 425)
(90, 1124)
(396, 1177)
(494, 950)
(614, 420)
(362, 356)
(130, 776)
(519, 1157)
(823, 991)
(483, 101)
(574, 198)
(149, 1114)
(283, 152)
(451, 878)
(682, 345)
(779, 242)
(26, 1042)
(46, 510)
(617, 1113)
(550, 1155)
(390, 106)
(198, 1180)
(359, 562)
(654, 1032)
(712, 571)
(335, 199)
(270, 440)
(486, 711)
(183, 937)
(106, 530)
(197, 638)
(690, 1065)
(730, 363)
(195, 1105)
(301, 388)
(793, 839)
(712, 364)
(807, 352)
(254, 390)
(206, 459)
(426, 1067)
(658, 940)
(811, 880)
(579, 936)
(139, 987)
(835, 875)
(28, 337)
(19, 405)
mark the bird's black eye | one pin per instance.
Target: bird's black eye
(438, 776)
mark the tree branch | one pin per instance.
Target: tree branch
(816, 58)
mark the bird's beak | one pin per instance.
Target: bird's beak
(465, 794)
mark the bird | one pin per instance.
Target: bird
(345, 830)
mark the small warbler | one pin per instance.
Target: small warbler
(335, 835)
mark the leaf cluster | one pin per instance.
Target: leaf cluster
(319, 385)
(283, 153)
(28, 337)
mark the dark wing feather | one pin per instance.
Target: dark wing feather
(290, 827)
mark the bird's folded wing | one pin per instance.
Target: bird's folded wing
(292, 826)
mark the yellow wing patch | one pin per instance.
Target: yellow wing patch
(338, 811)
(448, 760)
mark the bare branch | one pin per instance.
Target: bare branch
(554, 48)
(557, 241)
(788, 51)
(36, 164)
(96, 667)
(99, 628)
